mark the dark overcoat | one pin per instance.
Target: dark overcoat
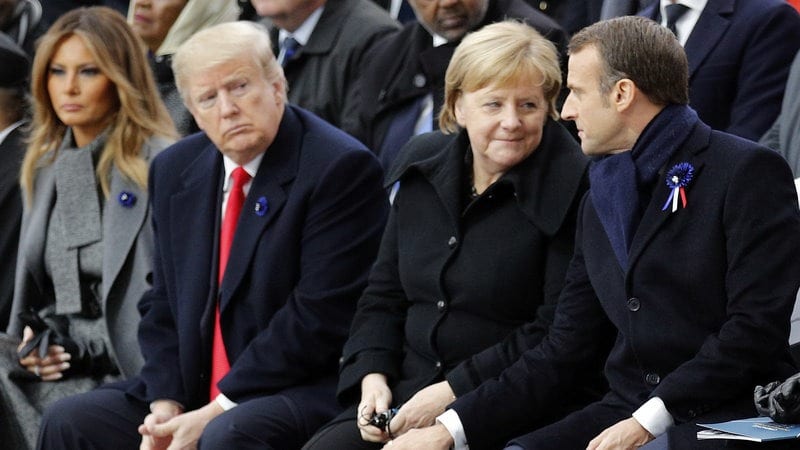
(699, 318)
(308, 234)
(459, 290)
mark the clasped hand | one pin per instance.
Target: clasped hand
(49, 368)
(166, 428)
(419, 411)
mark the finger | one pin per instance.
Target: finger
(27, 335)
(164, 429)
(56, 350)
(365, 411)
(55, 359)
(397, 425)
(382, 402)
(373, 434)
(51, 369)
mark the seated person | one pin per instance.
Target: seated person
(479, 237)
(13, 118)
(686, 263)
(164, 25)
(85, 250)
(265, 227)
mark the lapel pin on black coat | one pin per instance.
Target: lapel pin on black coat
(261, 206)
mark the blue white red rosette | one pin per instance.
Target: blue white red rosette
(677, 179)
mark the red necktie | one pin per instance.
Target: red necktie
(219, 358)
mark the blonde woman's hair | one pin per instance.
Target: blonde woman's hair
(195, 15)
(140, 114)
(500, 54)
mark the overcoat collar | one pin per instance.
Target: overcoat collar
(120, 228)
(654, 217)
(544, 184)
(712, 25)
(123, 219)
(709, 30)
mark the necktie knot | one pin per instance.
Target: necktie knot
(674, 12)
(289, 47)
(240, 177)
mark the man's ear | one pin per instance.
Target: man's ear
(624, 93)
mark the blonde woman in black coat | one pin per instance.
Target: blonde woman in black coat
(476, 247)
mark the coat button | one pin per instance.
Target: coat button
(652, 379)
(542, 6)
(452, 242)
(419, 80)
(341, 360)
(440, 305)
(634, 304)
(438, 365)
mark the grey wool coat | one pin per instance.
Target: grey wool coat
(126, 275)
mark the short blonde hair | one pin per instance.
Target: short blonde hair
(221, 43)
(140, 113)
(502, 53)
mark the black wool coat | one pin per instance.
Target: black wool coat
(459, 291)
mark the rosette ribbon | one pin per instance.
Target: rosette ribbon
(677, 179)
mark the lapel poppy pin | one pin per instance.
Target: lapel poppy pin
(261, 206)
(127, 199)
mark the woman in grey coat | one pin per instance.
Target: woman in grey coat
(85, 247)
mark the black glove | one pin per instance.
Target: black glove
(780, 401)
(53, 330)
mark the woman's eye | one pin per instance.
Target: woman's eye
(90, 71)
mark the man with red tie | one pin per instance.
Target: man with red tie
(265, 225)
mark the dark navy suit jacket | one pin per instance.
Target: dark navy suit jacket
(739, 56)
(297, 266)
(700, 317)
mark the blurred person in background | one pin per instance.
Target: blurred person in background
(164, 25)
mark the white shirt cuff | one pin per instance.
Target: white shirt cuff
(225, 402)
(654, 417)
(452, 422)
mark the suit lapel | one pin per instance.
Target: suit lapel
(34, 234)
(709, 30)
(654, 217)
(264, 201)
(194, 214)
(121, 225)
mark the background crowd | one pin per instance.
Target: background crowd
(334, 231)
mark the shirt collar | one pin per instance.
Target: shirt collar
(303, 33)
(694, 5)
(4, 133)
(251, 168)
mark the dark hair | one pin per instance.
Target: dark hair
(641, 50)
